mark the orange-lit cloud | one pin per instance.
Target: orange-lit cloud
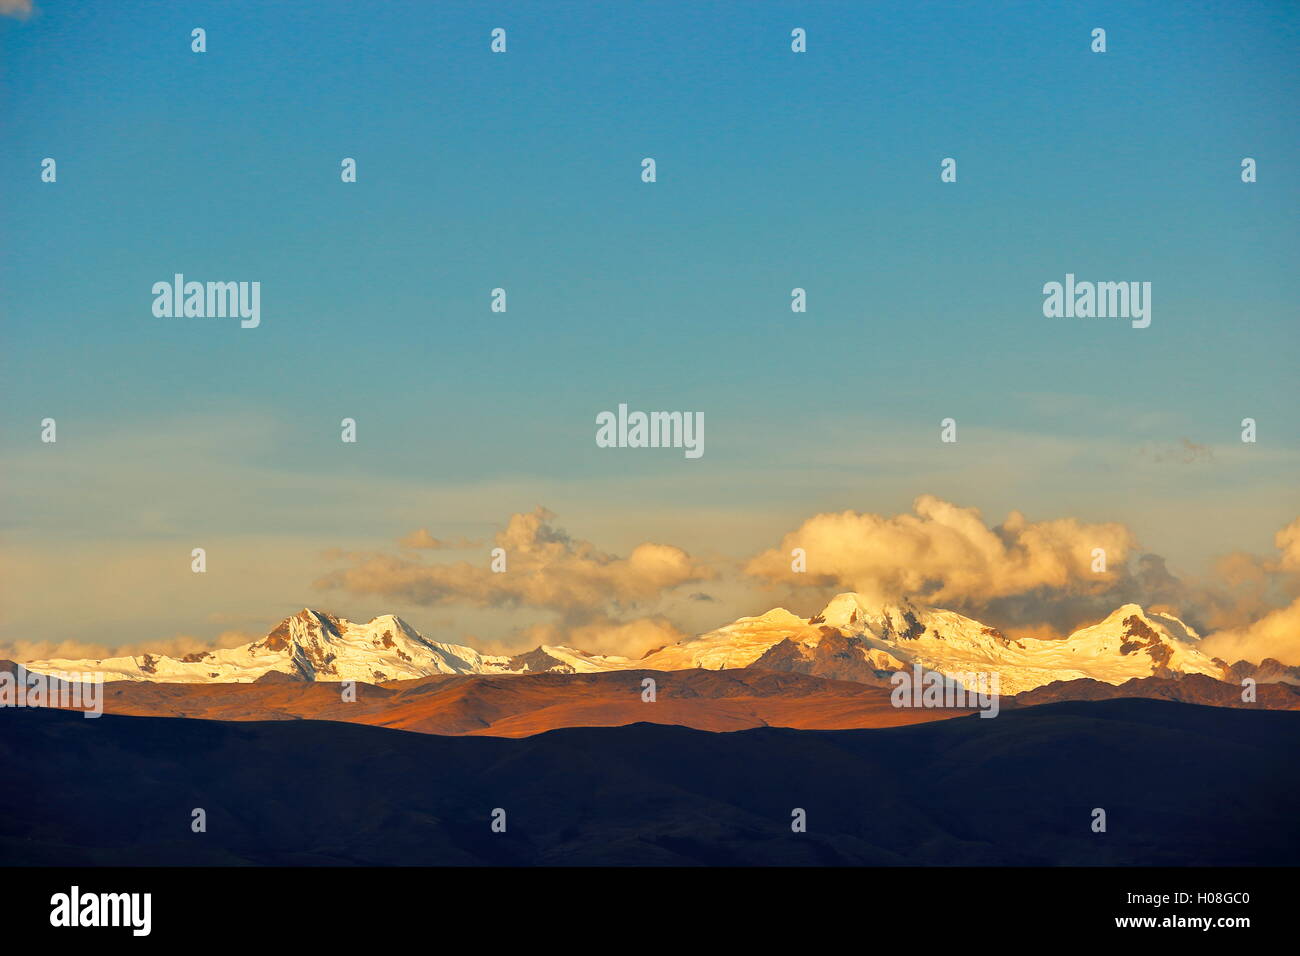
(422, 540)
(1288, 542)
(545, 568)
(634, 638)
(944, 553)
(177, 646)
(1275, 635)
(1254, 632)
(21, 9)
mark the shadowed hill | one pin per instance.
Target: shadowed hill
(516, 706)
(1181, 785)
(1186, 688)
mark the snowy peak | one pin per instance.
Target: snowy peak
(897, 621)
(859, 637)
(1131, 627)
(310, 645)
(846, 611)
(1159, 643)
(320, 646)
(1133, 617)
(1129, 642)
(777, 616)
(738, 644)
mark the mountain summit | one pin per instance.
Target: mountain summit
(308, 646)
(852, 638)
(1130, 642)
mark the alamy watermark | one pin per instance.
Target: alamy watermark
(651, 430)
(24, 688)
(75, 908)
(209, 300)
(920, 688)
(1101, 300)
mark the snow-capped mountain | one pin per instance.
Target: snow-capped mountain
(851, 639)
(1128, 643)
(863, 639)
(738, 644)
(310, 645)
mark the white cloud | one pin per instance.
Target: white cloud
(21, 9)
(545, 569)
(946, 553)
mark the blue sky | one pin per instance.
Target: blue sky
(521, 170)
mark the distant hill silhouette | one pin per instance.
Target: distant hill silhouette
(1181, 785)
(1187, 688)
(516, 706)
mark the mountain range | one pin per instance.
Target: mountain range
(763, 718)
(851, 639)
